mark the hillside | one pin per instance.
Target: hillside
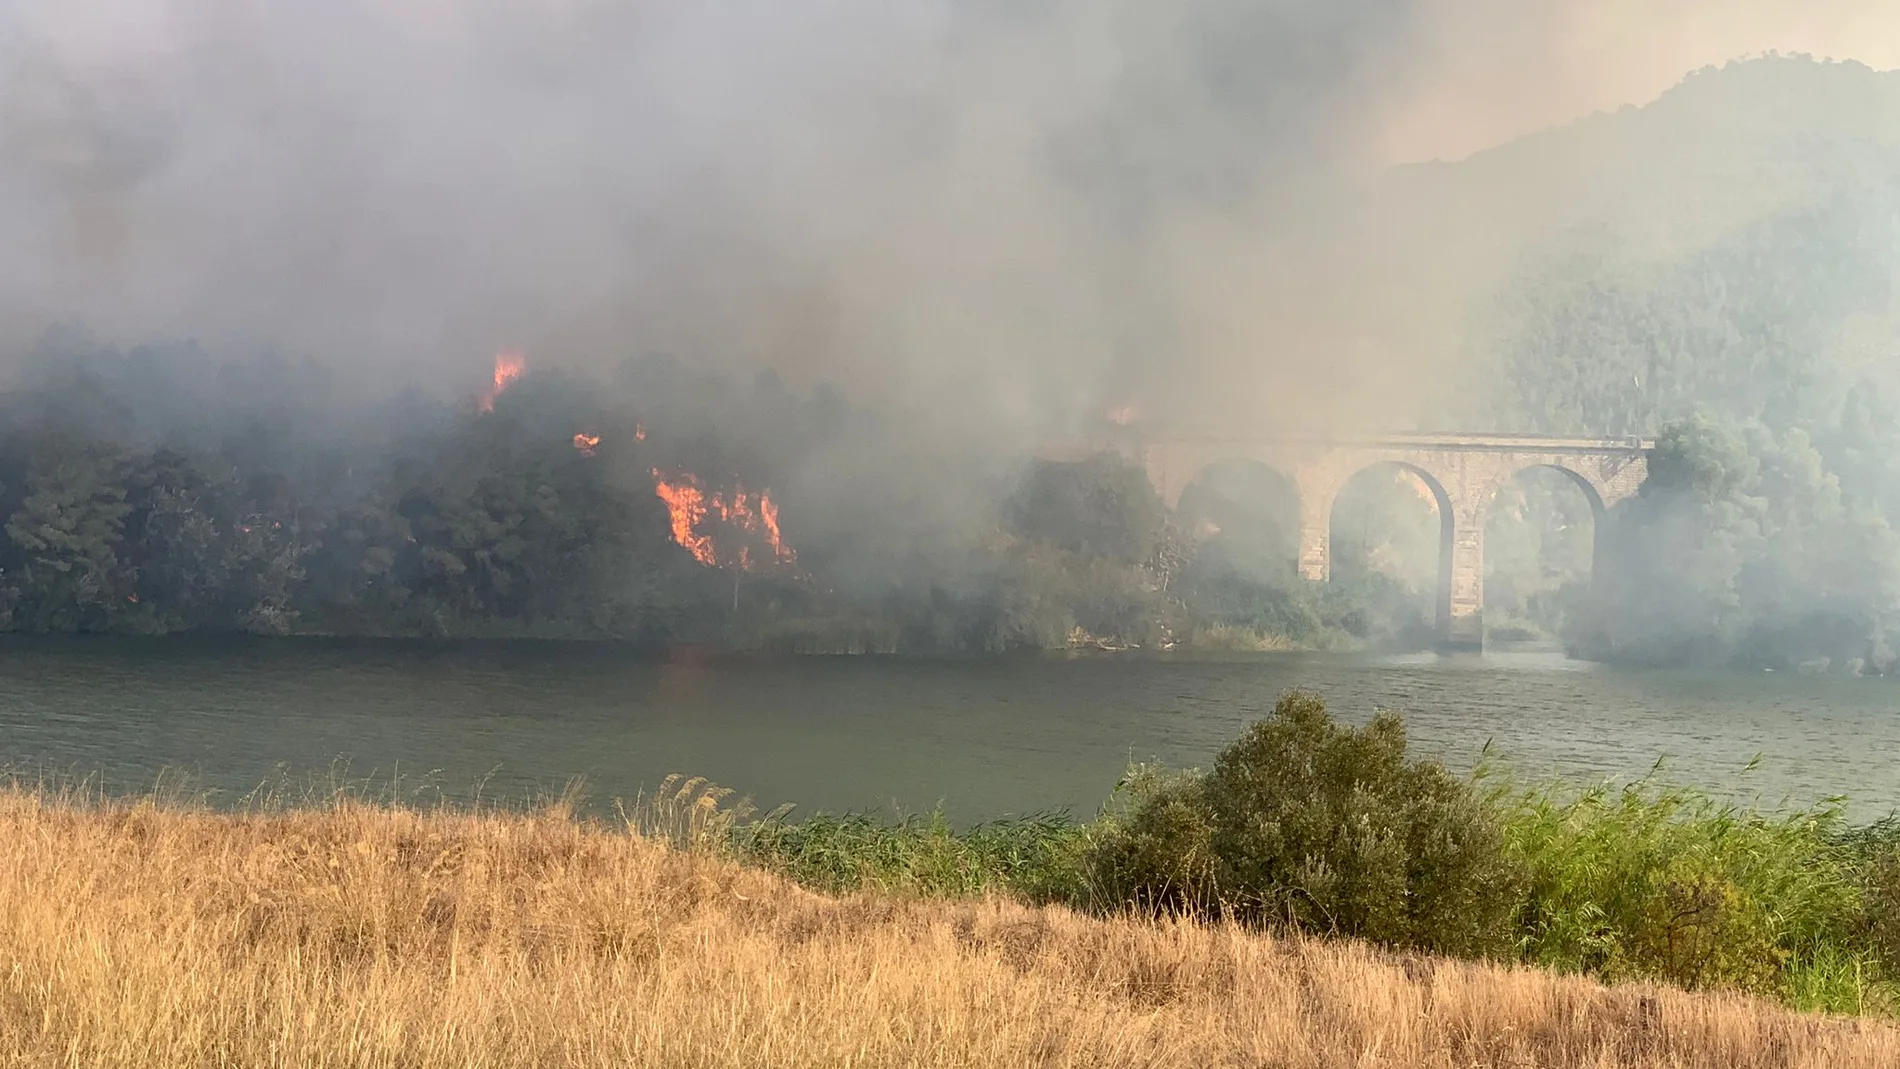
(1724, 148)
(1741, 230)
(1726, 253)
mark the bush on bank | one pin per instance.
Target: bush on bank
(1326, 828)
(1309, 824)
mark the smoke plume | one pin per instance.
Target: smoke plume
(1005, 213)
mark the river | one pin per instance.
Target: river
(981, 737)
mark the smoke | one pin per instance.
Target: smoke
(1006, 214)
(1020, 208)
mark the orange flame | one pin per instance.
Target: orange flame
(687, 505)
(768, 515)
(639, 433)
(690, 506)
(508, 367)
(1122, 416)
(586, 442)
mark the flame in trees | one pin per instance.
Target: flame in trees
(739, 519)
(1121, 416)
(687, 505)
(586, 443)
(508, 367)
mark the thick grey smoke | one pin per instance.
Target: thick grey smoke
(1027, 208)
(1015, 211)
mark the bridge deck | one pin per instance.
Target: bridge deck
(1432, 440)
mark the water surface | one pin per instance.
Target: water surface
(982, 737)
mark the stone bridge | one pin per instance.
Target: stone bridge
(1464, 472)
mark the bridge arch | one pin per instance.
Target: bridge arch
(1254, 503)
(1535, 509)
(1444, 509)
(1466, 471)
(1593, 491)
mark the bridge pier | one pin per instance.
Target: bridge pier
(1461, 627)
(1316, 540)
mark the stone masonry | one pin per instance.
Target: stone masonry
(1463, 471)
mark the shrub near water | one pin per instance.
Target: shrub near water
(1878, 848)
(1309, 824)
(1329, 829)
(1324, 827)
(1668, 884)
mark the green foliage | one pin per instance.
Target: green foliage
(918, 855)
(1380, 609)
(1756, 334)
(1153, 851)
(1743, 548)
(67, 529)
(1218, 591)
(1876, 850)
(463, 523)
(1665, 883)
(1331, 829)
(1323, 827)
(1103, 506)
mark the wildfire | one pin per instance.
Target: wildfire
(586, 442)
(1122, 416)
(690, 506)
(508, 367)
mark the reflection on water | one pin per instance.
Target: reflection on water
(983, 737)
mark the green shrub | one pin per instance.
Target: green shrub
(1104, 505)
(1323, 827)
(1331, 828)
(1154, 852)
(1697, 928)
(1327, 828)
(1883, 910)
(1667, 884)
(1876, 852)
(1219, 592)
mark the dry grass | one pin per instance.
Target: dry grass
(361, 936)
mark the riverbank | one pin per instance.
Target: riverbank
(1305, 824)
(361, 935)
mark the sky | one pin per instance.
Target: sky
(1018, 209)
(1600, 55)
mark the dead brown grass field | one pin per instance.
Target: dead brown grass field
(140, 936)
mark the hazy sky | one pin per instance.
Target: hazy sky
(1496, 69)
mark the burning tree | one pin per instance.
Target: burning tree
(509, 366)
(724, 529)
